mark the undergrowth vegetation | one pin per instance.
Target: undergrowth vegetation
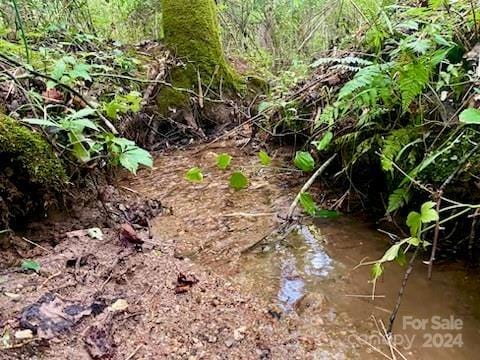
(400, 105)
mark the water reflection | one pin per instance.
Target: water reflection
(301, 266)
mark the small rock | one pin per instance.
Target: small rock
(119, 305)
(13, 296)
(23, 334)
(229, 342)
(239, 334)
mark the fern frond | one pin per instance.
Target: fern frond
(397, 199)
(412, 79)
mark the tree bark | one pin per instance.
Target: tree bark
(192, 33)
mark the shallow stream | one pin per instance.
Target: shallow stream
(311, 279)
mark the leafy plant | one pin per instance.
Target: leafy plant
(238, 181)
(30, 265)
(311, 208)
(87, 140)
(122, 104)
(223, 161)
(415, 222)
(470, 116)
(265, 159)
(194, 175)
(304, 161)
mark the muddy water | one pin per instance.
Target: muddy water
(312, 274)
(310, 278)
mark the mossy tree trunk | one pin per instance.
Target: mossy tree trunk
(192, 33)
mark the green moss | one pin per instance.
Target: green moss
(29, 152)
(17, 50)
(192, 32)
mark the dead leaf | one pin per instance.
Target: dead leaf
(128, 234)
(184, 283)
(52, 96)
(51, 316)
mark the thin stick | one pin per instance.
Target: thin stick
(435, 238)
(35, 244)
(366, 296)
(401, 291)
(134, 352)
(307, 185)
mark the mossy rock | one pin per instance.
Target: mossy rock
(31, 172)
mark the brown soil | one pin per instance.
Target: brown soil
(132, 295)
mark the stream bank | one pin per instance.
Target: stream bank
(185, 291)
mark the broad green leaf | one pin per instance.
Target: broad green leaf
(238, 181)
(377, 270)
(30, 265)
(428, 213)
(83, 113)
(59, 69)
(135, 156)
(223, 161)
(308, 204)
(414, 241)
(265, 160)
(80, 71)
(304, 161)
(391, 253)
(414, 222)
(327, 214)
(311, 208)
(401, 258)
(470, 116)
(194, 175)
(78, 149)
(324, 142)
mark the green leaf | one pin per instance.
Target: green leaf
(264, 106)
(401, 258)
(324, 142)
(223, 161)
(326, 214)
(391, 253)
(238, 181)
(470, 116)
(377, 270)
(80, 71)
(414, 222)
(428, 213)
(304, 161)
(194, 175)
(308, 204)
(78, 149)
(414, 241)
(30, 265)
(59, 69)
(265, 160)
(40, 122)
(83, 113)
(135, 156)
(397, 199)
